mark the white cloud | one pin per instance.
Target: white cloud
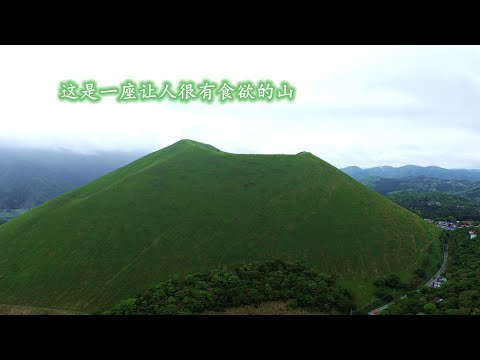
(356, 105)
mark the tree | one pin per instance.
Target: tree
(393, 281)
(429, 308)
(384, 293)
(420, 273)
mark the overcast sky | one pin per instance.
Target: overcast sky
(355, 105)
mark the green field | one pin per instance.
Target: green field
(190, 207)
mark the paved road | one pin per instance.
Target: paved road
(428, 283)
(442, 268)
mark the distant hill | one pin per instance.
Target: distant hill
(385, 186)
(413, 170)
(437, 205)
(190, 208)
(30, 177)
(430, 197)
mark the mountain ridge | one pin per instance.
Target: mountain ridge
(413, 170)
(30, 177)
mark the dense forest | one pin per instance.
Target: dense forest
(385, 186)
(437, 206)
(428, 197)
(460, 294)
(249, 284)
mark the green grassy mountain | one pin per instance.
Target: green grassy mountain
(190, 207)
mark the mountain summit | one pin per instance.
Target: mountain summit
(190, 207)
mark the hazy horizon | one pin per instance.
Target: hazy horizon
(360, 106)
(139, 154)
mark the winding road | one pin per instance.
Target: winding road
(429, 283)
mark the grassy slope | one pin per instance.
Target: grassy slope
(28, 310)
(190, 207)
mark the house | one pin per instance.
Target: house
(472, 234)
